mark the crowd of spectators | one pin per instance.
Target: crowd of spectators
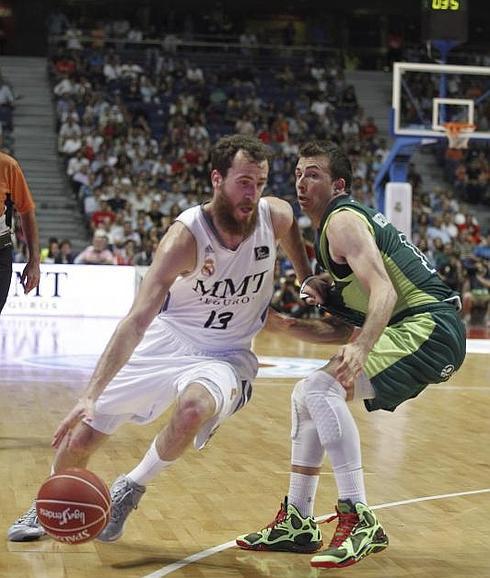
(468, 172)
(135, 128)
(448, 233)
(7, 106)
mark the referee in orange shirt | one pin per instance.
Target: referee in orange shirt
(15, 193)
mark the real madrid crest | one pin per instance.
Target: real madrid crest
(208, 268)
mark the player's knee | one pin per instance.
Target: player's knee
(297, 395)
(323, 396)
(190, 414)
(193, 410)
(321, 383)
(299, 414)
(306, 448)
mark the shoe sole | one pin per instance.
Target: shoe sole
(108, 540)
(26, 538)
(374, 549)
(21, 535)
(278, 548)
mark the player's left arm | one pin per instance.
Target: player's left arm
(287, 232)
(351, 241)
(327, 330)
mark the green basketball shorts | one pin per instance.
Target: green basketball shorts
(421, 349)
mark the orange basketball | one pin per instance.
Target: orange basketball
(73, 506)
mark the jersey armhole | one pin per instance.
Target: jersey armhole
(265, 210)
(199, 251)
(354, 212)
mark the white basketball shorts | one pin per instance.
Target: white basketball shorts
(161, 367)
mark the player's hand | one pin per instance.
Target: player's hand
(352, 358)
(30, 276)
(84, 409)
(314, 291)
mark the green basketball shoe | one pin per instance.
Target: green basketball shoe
(288, 532)
(357, 535)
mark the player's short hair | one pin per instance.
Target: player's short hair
(338, 161)
(224, 151)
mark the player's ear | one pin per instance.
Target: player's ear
(216, 178)
(339, 185)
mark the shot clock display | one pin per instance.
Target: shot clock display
(445, 20)
(445, 5)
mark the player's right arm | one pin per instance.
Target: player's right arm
(176, 255)
(327, 330)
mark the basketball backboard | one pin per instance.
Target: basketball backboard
(427, 96)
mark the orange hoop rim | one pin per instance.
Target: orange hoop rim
(458, 134)
(455, 128)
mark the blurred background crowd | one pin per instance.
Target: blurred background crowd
(138, 104)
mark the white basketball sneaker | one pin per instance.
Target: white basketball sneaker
(27, 528)
(125, 495)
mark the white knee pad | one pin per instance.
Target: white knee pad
(324, 399)
(306, 448)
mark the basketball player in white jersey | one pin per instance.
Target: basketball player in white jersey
(187, 337)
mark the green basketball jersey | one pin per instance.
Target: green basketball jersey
(415, 279)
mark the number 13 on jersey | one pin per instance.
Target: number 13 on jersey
(219, 320)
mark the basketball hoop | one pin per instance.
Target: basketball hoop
(458, 134)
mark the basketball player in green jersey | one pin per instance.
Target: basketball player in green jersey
(411, 335)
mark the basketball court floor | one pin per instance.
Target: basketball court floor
(427, 469)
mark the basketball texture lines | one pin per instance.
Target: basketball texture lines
(73, 506)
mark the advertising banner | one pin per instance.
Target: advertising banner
(74, 290)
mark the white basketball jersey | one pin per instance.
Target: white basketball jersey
(223, 303)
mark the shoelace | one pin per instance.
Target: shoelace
(120, 492)
(29, 518)
(280, 516)
(344, 527)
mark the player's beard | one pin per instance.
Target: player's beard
(223, 210)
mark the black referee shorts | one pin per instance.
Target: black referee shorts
(5, 274)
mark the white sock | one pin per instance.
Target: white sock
(302, 491)
(350, 485)
(149, 467)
